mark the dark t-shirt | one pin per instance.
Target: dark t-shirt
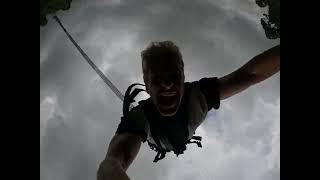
(208, 89)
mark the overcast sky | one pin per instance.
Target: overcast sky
(79, 114)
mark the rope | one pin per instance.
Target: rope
(86, 57)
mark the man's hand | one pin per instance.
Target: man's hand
(256, 70)
(122, 150)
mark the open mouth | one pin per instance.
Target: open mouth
(168, 99)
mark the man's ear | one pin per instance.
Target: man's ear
(183, 77)
(146, 83)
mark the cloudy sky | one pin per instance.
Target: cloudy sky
(79, 114)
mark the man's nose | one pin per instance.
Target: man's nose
(166, 83)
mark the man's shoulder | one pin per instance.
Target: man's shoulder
(208, 87)
(134, 123)
(205, 81)
(137, 113)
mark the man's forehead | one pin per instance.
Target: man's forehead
(164, 64)
(169, 68)
(164, 61)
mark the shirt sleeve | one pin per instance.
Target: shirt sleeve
(210, 88)
(134, 123)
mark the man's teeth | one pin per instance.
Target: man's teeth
(168, 94)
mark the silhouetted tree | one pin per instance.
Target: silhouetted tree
(271, 21)
(51, 6)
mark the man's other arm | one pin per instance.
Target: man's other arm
(122, 150)
(256, 70)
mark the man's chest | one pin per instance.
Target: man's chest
(180, 128)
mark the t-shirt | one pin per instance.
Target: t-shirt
(199, 98)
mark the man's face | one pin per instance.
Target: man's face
(165, 83)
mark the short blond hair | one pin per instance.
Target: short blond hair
(159, 50)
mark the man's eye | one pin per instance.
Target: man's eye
(156, 79)
(175, 77)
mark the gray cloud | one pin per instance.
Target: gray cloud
(79, 114)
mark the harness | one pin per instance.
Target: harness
(178, 144)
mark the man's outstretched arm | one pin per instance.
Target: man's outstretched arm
(256, 70)
(122, 150)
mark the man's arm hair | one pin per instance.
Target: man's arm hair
(122, 150)
(256, 70)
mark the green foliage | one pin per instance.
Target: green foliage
(271, 21)
(51, 6)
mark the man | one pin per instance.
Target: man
(169, 118)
